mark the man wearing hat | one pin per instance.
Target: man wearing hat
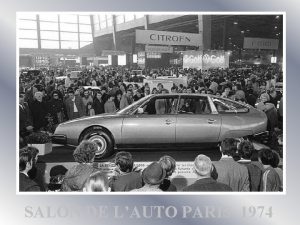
(203, 168)
(153, 175)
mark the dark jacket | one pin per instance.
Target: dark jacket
(70, 107)
(26, 184)
(126, 182)
(25, 119)
(39, 113)
(76, 177)
(167, 185)
(55, 106)
(98, 106)
(207, 184)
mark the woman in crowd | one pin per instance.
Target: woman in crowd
(76, 176)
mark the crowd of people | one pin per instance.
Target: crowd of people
(45, 101)
(241, 168)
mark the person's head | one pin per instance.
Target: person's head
(164, 91)
(160, 86)
(111, 98)
(57, 174)
(218, 94)
(264, 97)
(86, 93)
(38, 96)
(227, 90)
(99, 95)
(203, 166)
(97, 182)
(267, 157)
(85, 152)
(168, 164)
(71, 94)
(22, 98)
(103, 90)
(154, 91)
(147, 90)
(153, 174)
(139, 93)
(229, 147)
(245, 149)
(124, 161)
(25, 161)
(129, 92)
(209, 91)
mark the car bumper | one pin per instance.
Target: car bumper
(59, 139)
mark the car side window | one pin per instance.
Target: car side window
(160, 105)
(227, 106)
(194, 105)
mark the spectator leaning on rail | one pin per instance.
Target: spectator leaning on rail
(229, 171)
(169, 165)
(77, 175)
(153, 175)
(127, 177)
(203, 168)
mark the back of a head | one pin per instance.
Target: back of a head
(124, 161)
(168, 164)
(203, 165)
(229, 147)
(97, 182)
(24, 158)
(85, 152)
(245, 149)
(268, 157)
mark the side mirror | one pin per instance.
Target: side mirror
(140, 111)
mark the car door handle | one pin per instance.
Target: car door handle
(210, 121)
(168, 122)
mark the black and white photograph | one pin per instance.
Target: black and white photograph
(150, 103)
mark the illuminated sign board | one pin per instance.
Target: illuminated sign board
(121, 60)
(260, 43)
(168, 38)
(206, 59)
(192, 59)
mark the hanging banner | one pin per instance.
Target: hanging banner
(168, 38)
(260, 43)
(192, 59)
(158, 49)
(215, 59)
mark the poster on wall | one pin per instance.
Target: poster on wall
(192, 59)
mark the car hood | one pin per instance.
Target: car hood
(89, 118)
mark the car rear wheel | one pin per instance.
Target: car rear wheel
(103, 141)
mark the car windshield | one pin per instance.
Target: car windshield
(227, 106)
(131, 108)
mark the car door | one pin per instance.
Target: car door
(154, 125)
(196, 123)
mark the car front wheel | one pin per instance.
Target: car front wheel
(103, 141)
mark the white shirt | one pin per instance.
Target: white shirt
(75, 108)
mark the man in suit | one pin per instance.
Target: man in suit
(203, 168)
(25, 118)
(74, 106)
(25, 164)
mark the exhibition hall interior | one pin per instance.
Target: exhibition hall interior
(150, 102)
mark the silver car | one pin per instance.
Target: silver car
(165, 120)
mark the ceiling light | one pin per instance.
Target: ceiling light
(277, 17)
(242, 31)
(275, 27)
(235, 23)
